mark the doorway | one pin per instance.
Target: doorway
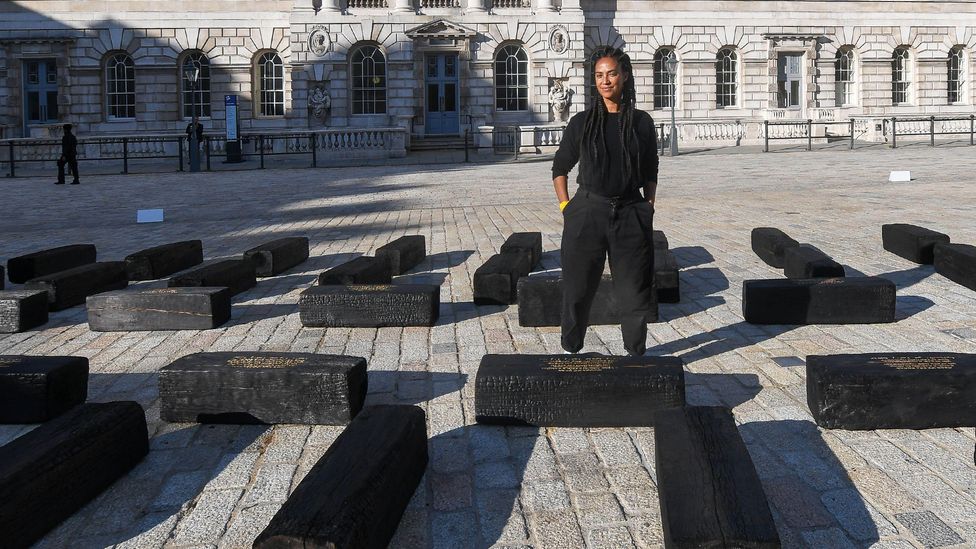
(40, 92)
(789, 80)
(442, 94)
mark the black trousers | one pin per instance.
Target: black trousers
(72, 165)
(595, 228)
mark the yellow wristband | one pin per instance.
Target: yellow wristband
(562, 205)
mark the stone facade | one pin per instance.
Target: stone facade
(316, 38)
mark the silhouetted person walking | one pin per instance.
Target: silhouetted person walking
(69, 156)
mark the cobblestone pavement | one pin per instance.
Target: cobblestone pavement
(218, 486)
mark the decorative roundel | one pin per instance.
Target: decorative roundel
(559, 39)
(319, 41)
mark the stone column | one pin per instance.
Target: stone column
(477, 6)
(327, 5)
(404, 6)
(544, 6)
(571, 6)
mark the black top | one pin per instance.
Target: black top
(605, 176)
(69, 146)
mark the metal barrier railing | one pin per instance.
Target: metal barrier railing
(808, 125)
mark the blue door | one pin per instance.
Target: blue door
(442, 94)
(40, 91)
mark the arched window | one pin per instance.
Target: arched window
(956, 66)
(270, 84)
(726, 78)
(120, 86)
(511, 79)
(901, 76)
(844, 77)
(664, 88)
(368, 80)
(201, 96)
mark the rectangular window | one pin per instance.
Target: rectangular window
(789, 76)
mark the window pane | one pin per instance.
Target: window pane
(433, 98)
(511, 78)
(450, 102)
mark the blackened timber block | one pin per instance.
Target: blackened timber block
(277, 256)
(957, 262)
(660, 240)
(263, 387)
(362, 270)
(198, 308)
(51, 472)
(666, 281)
(34, 389)
(585, 390)
(540, 301)
(708, 488)
(3, 277)
(370, 305)
(770, 244)
(238, 275)
(496, 282)
(530, 242)
(45, 262)
(808, 262)
(863, 300)
(912, 242)
(21, 310)
(892, 390)
(355, 495)
(69, 288)
(403, 253)
(162, 261)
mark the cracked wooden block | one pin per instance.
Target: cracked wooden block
(770, 244)
(275, 257)
(161, 261)
(957, 262)
(34, 389)
(370, 305)
(807, 262)
(362, 270)
(237, 275)
(50, 261)
(529, 242)
(912, 242)
(69, 288)
(862, 300)
(179, 308)
(496, 281)
(403, 253)
(21, 310)
(583, 390)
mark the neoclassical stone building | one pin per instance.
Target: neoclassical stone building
(437, 67)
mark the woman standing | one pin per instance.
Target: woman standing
(616, 146)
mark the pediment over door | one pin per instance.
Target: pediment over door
(440, 29)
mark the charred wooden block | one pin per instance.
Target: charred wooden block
(666, 280)
(355, 495)
(45, 262)
(69, 288)
(21, 310)
(912, 242)
(162, 261)
(53, 471)
(957, 262)
(496, 282)
(660, 240)
(770, 244)
(362, 270)
(403, 253)
(807, 262)
(199, 308)
(277, 256)
(864, 300)
(709, 491)
(540, 301)
(3, 277)
(237, 275)
(34, 389)
(530, 243)
(370, 305)
(892, 390)
(587, 390)
(263, 387)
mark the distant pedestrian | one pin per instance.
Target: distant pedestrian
(69, 156)
(189, 130)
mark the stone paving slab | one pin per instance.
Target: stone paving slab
(219, 485)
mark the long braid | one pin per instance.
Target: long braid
(592, 137)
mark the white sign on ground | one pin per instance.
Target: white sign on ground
(149, 216)
(900, 177)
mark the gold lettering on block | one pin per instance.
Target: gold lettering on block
(6, 361)
(915, 362)
(265, 362)
(589, 364)
(368, 287)
(164, 291)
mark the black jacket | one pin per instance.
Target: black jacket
(69, 146)
(605, 175)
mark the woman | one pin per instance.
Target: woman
(616, 147)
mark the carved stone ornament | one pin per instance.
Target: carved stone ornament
(559, 97)
(319, 101)
(319, 41)
(559, 39)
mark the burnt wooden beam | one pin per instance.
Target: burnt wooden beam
(496, 281)
(403, 253)
(862, 300)
(162, 261)
(34, 389)
(583, 390)
(181, 308)
(370, 305)
(71, 287)
(770, 244)
(912, 242)
(809, 262)
(529, 242)
(540, 301)
(237, 275)
(957, 262)
(362, 270)
(275, 257)
(355, 495)
(50, 261)
(21, 310)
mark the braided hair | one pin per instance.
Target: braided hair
(592, 139)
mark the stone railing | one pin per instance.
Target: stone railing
(503, 4)
(368, 4)
(440, 4)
